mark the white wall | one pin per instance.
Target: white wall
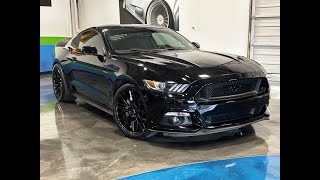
(219, 25)
(98, 12)
(55, 20)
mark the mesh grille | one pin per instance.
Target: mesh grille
(231, 116)
(227, 88)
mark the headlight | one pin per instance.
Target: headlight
(166, 86)
(155, 85)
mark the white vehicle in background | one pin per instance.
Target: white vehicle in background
(155, 12)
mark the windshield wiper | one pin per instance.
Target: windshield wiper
(137, 50)
(170, 49)
(140, 50)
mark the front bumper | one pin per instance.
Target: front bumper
(206, 131)
(158, 106)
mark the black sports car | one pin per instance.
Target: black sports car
(153, 80)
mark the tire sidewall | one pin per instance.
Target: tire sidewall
(65, 89)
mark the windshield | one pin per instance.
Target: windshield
(130, 40)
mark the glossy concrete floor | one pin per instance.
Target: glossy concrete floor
(78, 141)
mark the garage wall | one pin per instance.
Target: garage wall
(265, 36)
(98, 12)
(54, 26)
(55, 20)
(217, 25)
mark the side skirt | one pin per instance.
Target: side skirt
(93, 103)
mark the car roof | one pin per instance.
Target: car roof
(143, 26)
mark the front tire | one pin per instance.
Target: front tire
(129, 112)
(60, 86)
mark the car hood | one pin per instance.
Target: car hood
(192, 64)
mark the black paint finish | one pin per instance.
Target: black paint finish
(98, 76)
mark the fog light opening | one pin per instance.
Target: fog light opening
(177, 119)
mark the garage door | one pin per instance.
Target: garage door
(265, 36)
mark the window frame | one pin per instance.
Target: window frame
(77, 38)
(101, 39)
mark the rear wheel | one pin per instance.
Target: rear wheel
(130, 112)
(60, 86)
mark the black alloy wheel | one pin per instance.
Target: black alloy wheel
(57, 83)
(130, 112)
(60, 87)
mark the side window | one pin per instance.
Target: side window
(92, 38)
(75, 41)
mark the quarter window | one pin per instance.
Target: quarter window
(92, 38)
(75, 41)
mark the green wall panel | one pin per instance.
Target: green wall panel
(50, 40)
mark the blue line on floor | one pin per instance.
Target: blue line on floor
(245, 168)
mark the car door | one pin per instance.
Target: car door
(88, 72)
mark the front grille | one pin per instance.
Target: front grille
(216, 119)
(230, 88)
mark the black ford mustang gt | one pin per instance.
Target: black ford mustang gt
(152, 79)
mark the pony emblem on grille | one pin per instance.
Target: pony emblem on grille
(234, 88)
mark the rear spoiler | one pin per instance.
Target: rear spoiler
(63, 42)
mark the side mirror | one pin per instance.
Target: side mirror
(196, 44)
(89, 50)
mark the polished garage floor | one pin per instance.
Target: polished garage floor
(78, 141)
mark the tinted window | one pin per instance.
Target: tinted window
(124, 39)
(163, 39)
(92, 38)
(75, 41)
(132, 40)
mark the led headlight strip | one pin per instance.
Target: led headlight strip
(180, 88)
